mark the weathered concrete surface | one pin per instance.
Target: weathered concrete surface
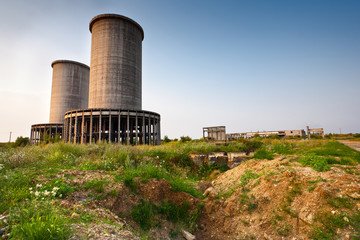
(115, 68)
(352, 144)
(219, 158)
(70, 88)
(199, 159)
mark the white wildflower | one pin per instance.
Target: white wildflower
(37, 193)
(346, 219)
(55, 189)
(38, 185)
(333, 212)
(31, 192)
(60, 195)
(53, 193)
(30, 188)
(46, 193)
(1, 166)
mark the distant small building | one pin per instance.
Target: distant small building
(218, 133)
(315, 131)
(280, 133)
(295, 133)
(214, 133)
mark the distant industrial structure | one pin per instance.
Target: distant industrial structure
(218, 133)
(103, 102)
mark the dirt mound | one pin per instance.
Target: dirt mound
(155, 191)
(279, 199)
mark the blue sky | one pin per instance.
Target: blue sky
(248, 65)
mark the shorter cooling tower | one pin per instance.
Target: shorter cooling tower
(70, 88)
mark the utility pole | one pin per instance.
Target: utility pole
(10, 137)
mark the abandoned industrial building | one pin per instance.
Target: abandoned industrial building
(218, 133)
(102, 102)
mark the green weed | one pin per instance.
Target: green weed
(283, 148)
(263, 153)
(247, 176)
(36, 221)
(328, 225)
(315, 162)
(174, 213)
(340, 202)
(144, 214)
(98, 185)
(148, 170)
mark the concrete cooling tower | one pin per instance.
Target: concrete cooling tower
(115, 69)
(70, 90)
(105, 102)
(115, 90)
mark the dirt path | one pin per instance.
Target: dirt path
(354, 145)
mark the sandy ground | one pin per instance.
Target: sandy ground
(354, 145)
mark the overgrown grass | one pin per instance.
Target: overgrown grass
(317, 163)
(329, 223)
(14, 188)
(146, 214)
(37, 221)
(97, 185)
(20, 167)
(147, 170)
(283, 148)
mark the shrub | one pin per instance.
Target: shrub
(166, 139)
(174, 213)
(252, 145)
(284, 148)
(263, 153)
(185, 139)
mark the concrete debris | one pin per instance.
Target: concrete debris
(211, 192)
(267, 237)
(231, 159)
(187, 235)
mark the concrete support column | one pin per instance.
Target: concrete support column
(75, 127)
(128, 129)
(119, 127)
(100, 127)
(82, 128)
(143, 129)
(64, 130)
(110, 130)
(91, 126)
(136, 129)
(158, 132)
(70, 124)
(150, 130)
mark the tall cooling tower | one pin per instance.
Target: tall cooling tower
(115, 68)
(70, 88)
